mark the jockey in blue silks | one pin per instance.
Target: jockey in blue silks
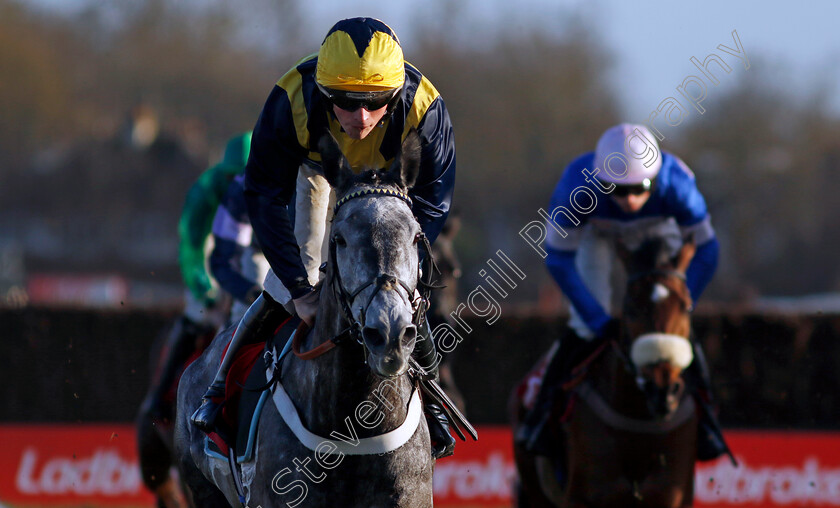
(358, 87)
(237, 262)
(631, 192)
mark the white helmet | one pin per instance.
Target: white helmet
(628, 154)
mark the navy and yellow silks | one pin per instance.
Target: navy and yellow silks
(360, 54)
(287, 133)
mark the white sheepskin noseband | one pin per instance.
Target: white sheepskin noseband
(653, 348)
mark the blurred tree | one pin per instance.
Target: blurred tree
(35, 94)
(523, 107)
(110, 112)
(767, 159)
(108, 115)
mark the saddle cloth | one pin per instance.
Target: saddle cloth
(530, 385)
(246, 392)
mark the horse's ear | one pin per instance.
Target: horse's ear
(685, 254)
(336, 168)
(406, 167)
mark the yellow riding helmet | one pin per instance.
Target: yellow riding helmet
(360, 55)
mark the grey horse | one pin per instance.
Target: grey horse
(354, 399)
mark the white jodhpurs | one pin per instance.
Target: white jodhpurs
(602, 271)
(313, 208)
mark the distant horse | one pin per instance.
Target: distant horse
(182, 341)
(631, 430)
(351, 432)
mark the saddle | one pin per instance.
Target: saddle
(576, 373)
(246, 391)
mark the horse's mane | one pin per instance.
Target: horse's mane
(653, 253)
(370, 177)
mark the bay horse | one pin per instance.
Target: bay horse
(345, 427)
(631, 427)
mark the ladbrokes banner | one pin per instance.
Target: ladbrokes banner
(65, 465)
(96, 465)
(793, 469)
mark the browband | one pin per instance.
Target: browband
(382, 191)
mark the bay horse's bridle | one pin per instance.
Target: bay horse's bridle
(618, 346)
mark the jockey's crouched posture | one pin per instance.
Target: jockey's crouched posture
(657, 196)
(359, 88)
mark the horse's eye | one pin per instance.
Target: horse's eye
(339, 241)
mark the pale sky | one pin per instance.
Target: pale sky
(652, 40)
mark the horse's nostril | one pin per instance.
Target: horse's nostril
(410, 333)
(373, 337)
(676, 389)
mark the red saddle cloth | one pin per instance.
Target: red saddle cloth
(246, 374)
(530, 385)
(243, 363)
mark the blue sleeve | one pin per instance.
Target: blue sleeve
(702, 267)
(270, 177)
(561, 265)
(685, 202)
(225, 264)
(232, 234)
(432, 194)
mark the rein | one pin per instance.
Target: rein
(315, 352)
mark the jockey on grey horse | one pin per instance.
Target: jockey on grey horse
(359, 88)
(335, 401)
(633, 192)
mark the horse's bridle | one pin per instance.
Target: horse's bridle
(346, 298)
(629, 366)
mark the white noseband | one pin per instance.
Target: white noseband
(653, 348)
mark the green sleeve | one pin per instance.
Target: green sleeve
(199, 210)
(193, 229)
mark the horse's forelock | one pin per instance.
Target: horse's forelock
(370, 178)
(652, 254)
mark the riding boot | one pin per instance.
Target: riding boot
(443, 444)
(263, 316)
(710, 441)
(179, 345)
(533, 433)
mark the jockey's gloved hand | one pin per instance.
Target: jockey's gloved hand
(610, 330)
(307, 305)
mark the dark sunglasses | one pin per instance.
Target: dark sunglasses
(352, 101)
(634, 189)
